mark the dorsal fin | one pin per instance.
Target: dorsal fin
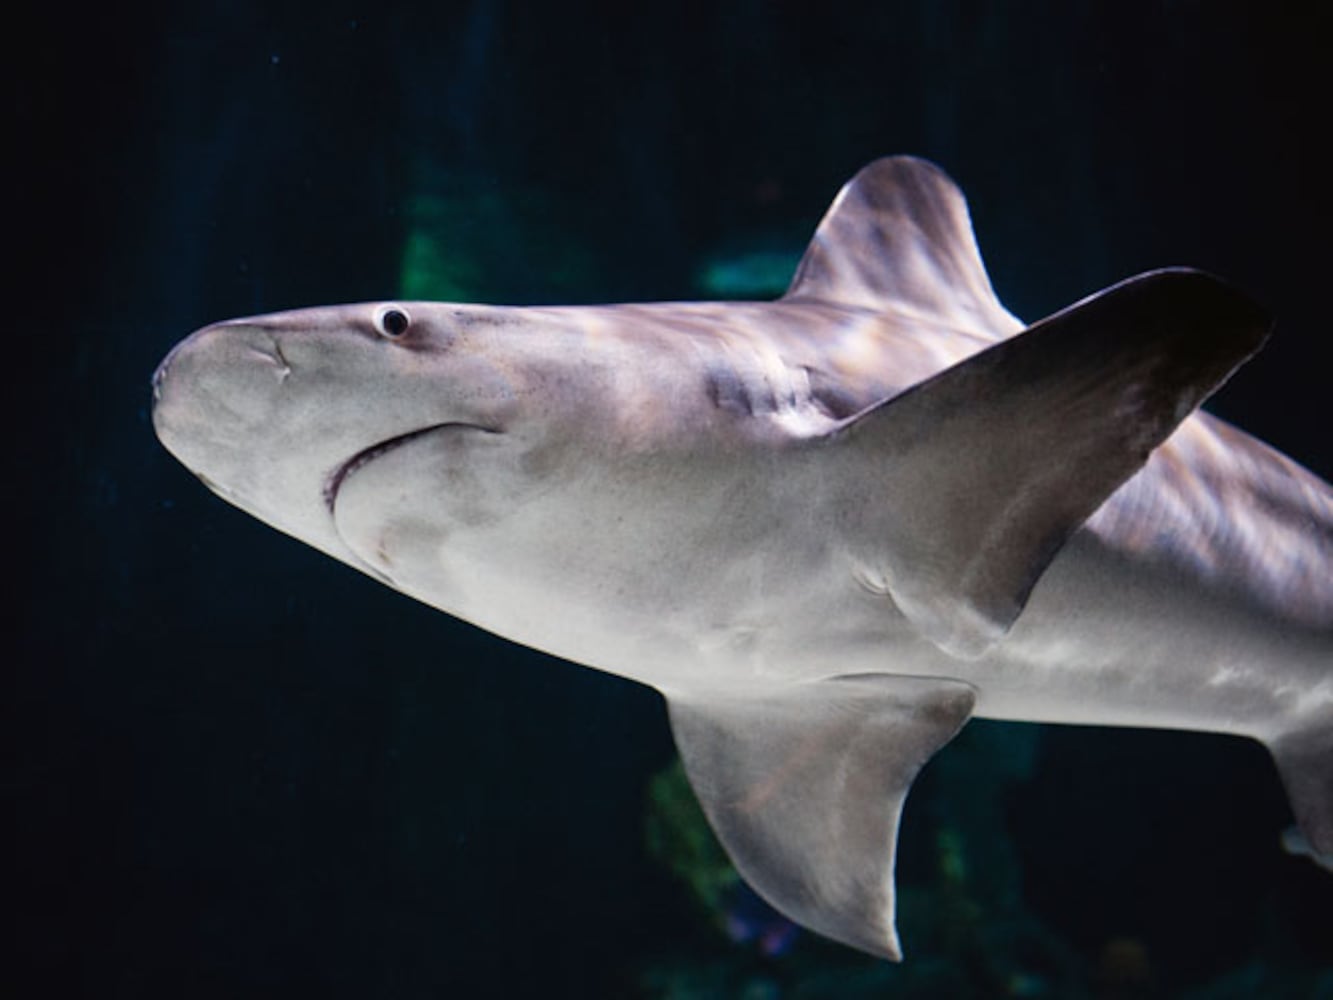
(898, 235)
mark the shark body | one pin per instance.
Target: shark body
(829, 529)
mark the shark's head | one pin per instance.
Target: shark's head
(280, 414)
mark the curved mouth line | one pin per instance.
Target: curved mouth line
(365, 455)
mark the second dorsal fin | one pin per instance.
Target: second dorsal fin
(898, 235)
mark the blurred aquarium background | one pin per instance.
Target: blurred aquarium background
(236, 768)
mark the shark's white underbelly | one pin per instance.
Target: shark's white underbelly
(1102, 641)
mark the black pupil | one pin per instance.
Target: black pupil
(395, 323)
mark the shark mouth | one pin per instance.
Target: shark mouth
(367, 455)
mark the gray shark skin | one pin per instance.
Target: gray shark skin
(829, 528)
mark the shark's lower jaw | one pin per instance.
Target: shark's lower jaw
(366, 455)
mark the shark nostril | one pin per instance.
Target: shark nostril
(286, 368)
(275, 357)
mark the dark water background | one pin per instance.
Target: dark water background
(238, 769)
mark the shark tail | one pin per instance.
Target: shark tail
(1304, 758)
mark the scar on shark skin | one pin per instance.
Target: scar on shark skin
(830, 528)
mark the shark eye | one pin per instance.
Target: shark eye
(392, 322)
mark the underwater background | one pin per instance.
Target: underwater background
(236, 768)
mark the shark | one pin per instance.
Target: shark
(829, 528)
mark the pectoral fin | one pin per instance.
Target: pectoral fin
(805, 789)
(982, 472)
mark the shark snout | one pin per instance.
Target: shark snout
(217, 387)
(191, 343)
